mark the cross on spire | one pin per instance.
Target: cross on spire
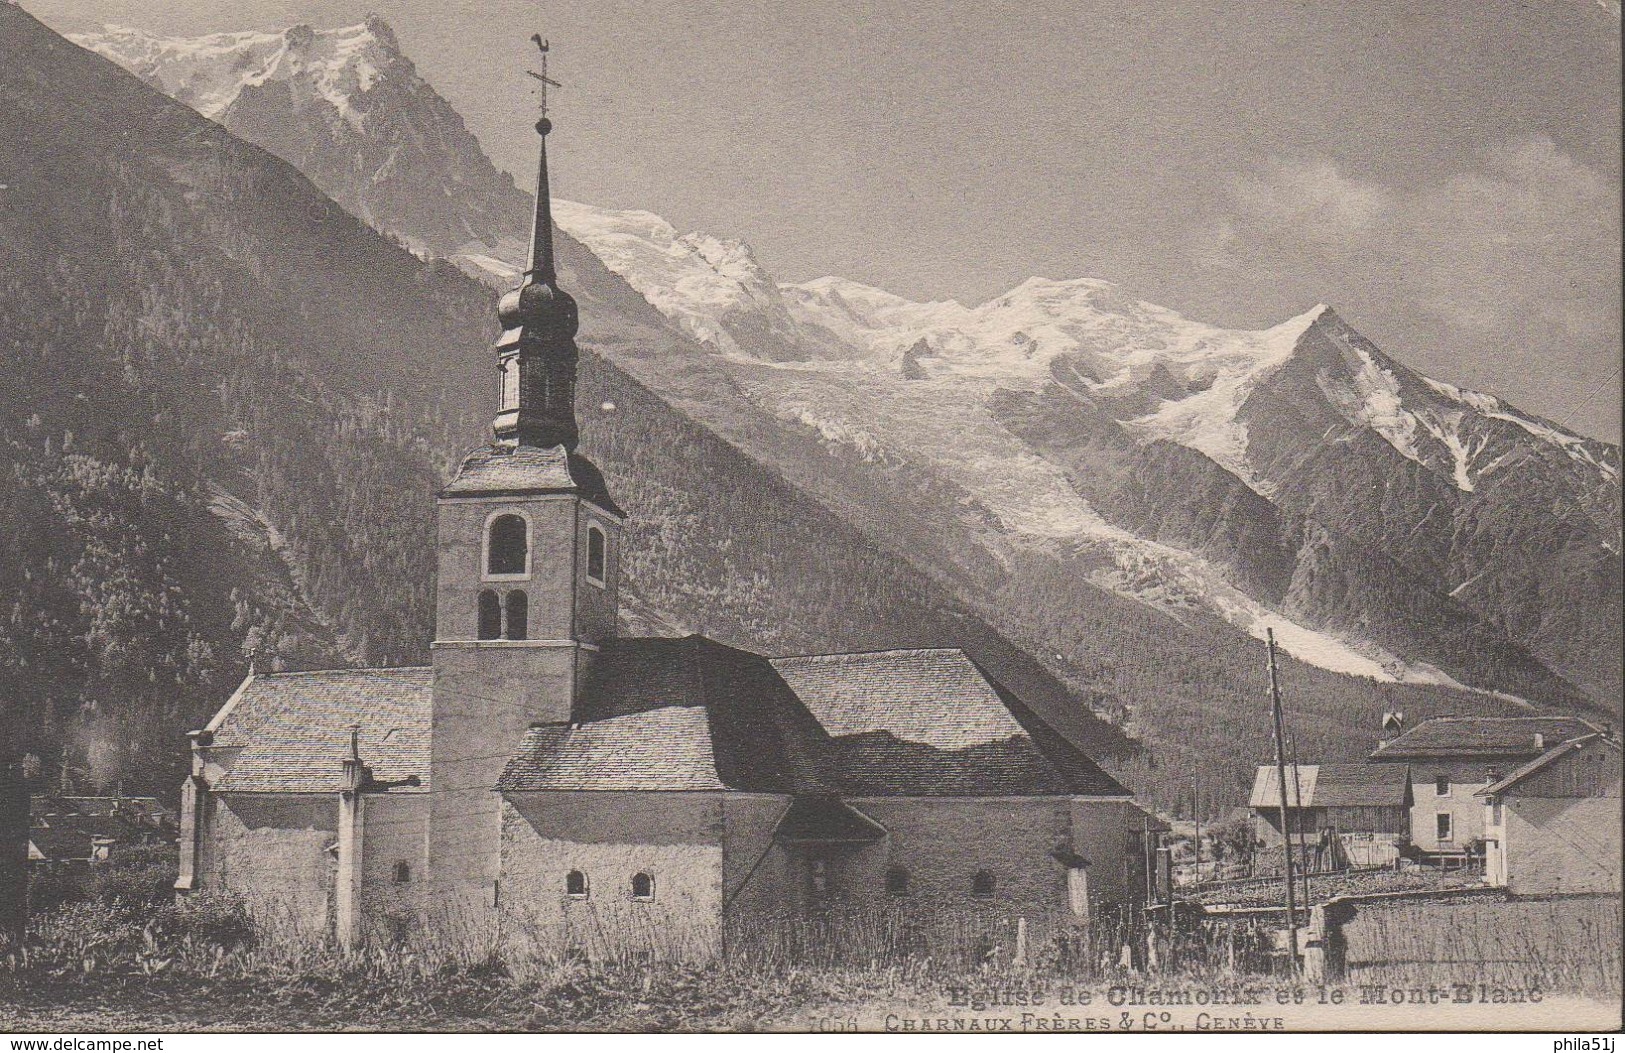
(542, 46)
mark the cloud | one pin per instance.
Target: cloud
(1314, 197)
(1510, 264)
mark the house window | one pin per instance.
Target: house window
(1442, 827)
(643, 887)
(595, 555)
(518, 615)
(490, 616)
(1441, 786)
(575, 885)
(507, 548)
(981, 886)
(403, 872)
(897, 881)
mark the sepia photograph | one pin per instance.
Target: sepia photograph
(815, 518)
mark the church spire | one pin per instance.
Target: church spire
(536, 352)
(541, 235)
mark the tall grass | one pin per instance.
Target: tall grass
(1561, 944)
(609, 970)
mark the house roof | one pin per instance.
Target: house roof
(290, 732)
(59, 844)
(504, 469)
(62, 838)
(68, 804)
(1562, 749)
(1508, 737)
(691, 713)
(1333, 786)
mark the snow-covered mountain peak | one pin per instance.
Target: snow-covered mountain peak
(210, 72)
(1461, 434)
(713, 288)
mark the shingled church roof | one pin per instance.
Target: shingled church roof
(290, 732)
(676, 714)
(931, 722)
(681, 714)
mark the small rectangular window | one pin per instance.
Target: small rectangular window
(1442, 826)
(595, 555)
(1441, 786)
(1495, 813)
(510, 384)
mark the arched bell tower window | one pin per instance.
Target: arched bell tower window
(575, 885)
(981, 886)
(643, 886)
(595, 555)
(897, 881)
(490, 616)
(518, 615)
(507, 547)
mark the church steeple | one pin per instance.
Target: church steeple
(536, 352)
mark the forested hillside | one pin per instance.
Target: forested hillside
(222, 396)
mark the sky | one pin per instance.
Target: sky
(1447, 175)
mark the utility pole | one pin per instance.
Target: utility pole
(1280, 779)
(1297, 803)
(1196, 817)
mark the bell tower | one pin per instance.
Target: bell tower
(527, 567)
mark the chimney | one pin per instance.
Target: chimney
(1540, 741)
(354, 773)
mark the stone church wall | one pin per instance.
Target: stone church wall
(943, 843)
(272, 850)
(675, 838)
(395, 830)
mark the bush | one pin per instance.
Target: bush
(138, 874)
(214, 920)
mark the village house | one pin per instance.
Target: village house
(1341, 814)
(628, 793)
(71, 831)
(1451, 759)
(1552, 825)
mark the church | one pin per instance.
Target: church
(607, 793)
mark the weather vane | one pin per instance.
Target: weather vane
(541, 45)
